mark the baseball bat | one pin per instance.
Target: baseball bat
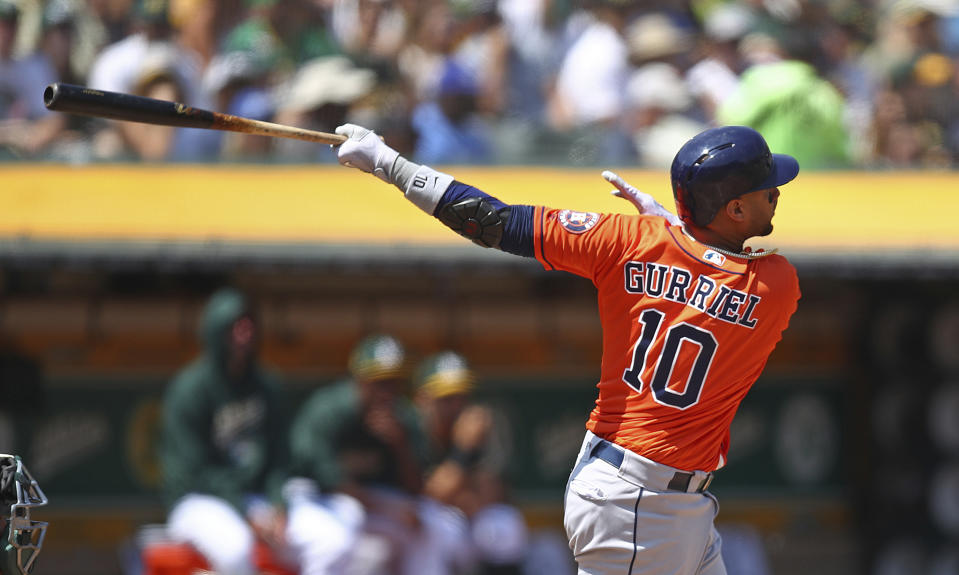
(85, 101)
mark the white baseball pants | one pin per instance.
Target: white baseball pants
(323, 530)
(216, 530)
(624, 521)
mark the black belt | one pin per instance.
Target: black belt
(614, 456)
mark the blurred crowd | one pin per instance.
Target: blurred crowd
(837, 83)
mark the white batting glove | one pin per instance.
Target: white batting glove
(364, 150)
(645, 203)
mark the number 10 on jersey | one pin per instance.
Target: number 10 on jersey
(652, 322)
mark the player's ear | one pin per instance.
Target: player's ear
(735, 209)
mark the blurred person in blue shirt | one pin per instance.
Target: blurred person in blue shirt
(238, 84)
(25, 124)
(448, 127)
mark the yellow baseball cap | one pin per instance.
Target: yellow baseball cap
(443, 374)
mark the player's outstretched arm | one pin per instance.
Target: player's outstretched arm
(466, 210)
(643, 202)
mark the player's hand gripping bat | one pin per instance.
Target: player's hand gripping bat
(116, 106)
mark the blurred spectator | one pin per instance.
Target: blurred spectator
(929, 92)
(388, 108)
(656, 41)
(114, 19)
(161, 78)
(371, 30)
(319, 97)
(896, 142)
(659, 106)
(658, 37)
(290, 32)
(361, 440)
(121, 65)
(481, 47)
(86, 23)
(913, 123)
(198, 25)
(57, 39)
(715, 75)
(590, 82)
(795, 109)
(448, 128)
(533, 53)
(422, 59)
(921, 19)
(903, 31)
(842, 41)
(222, 442)
(533, 44)
(151, 62)
(238, 84)
(26, 126)
(64, 42)
(459, 431)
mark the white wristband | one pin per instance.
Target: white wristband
(427, 187)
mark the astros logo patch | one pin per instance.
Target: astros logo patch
(714, 257)
(578, 222)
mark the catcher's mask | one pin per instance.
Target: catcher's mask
(22, 537)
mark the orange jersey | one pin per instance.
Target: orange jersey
(686, 329)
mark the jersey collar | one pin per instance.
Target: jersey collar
(719, 259)
(747, 253)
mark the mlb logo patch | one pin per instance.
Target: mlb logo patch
(577, 222)
(714, 257)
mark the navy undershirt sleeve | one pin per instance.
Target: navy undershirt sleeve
(518, 233)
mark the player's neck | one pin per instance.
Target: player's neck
(714, 239)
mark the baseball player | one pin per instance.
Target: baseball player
(689, 314)
(359, 444)
(222, 449)
(22, 536)
(459, 430)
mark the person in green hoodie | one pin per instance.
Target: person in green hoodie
(798, 112)
(223, 442)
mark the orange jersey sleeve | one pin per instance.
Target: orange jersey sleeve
(686, 329)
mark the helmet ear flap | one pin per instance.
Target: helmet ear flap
(685, 205)
(683, 174)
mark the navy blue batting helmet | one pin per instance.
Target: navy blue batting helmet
(723, 163)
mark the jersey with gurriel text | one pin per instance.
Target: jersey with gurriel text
(686, 330)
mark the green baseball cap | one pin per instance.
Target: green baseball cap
(378, 357)
(153, 11)
(443, 374)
